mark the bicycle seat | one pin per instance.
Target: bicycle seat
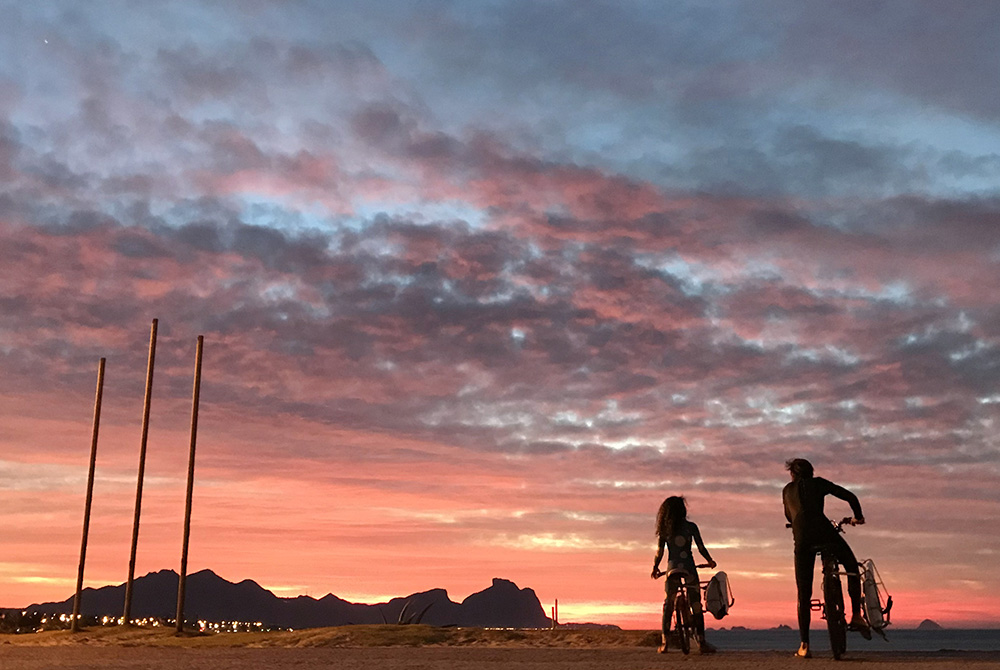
(677, 572)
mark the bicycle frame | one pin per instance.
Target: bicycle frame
(831, 607)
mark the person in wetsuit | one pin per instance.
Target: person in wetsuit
(676, 532)
(812, 531)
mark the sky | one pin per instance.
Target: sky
(481, 283)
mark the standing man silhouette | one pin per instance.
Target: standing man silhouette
(812, 531)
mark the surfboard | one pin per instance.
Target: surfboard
(870, 583)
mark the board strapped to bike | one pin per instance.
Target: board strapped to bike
(877, 603)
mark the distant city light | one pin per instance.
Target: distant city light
(27, 621)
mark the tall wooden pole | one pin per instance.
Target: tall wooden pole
(182, 581)
(75, 626)
(127, 615)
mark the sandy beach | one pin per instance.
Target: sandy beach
(388, 648)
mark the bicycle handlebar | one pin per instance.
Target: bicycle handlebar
(846, 521)
(661, 573)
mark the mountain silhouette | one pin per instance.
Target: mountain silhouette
(209, 597)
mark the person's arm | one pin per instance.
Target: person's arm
(784, 501)
(657, 559)
(848, 497)
(701, 545)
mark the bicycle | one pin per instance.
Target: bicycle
(873, 594)
(683, 615)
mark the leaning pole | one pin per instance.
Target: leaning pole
(127, 615)
(75, 625)
(182, 581)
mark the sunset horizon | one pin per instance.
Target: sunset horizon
(481, 284)
(643, 624)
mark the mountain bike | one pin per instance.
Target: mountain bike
(873, 595)
(682, 614)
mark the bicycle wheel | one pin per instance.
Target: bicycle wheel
(833, 607)
(682, 624)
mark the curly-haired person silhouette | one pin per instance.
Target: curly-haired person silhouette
(675, 532)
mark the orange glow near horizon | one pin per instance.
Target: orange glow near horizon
(368, 533)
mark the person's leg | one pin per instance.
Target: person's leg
(847, 560)
(694, 597)
(845, 556)
(668, 611)
(664, 627)
(805, 561)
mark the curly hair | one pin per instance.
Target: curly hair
(671, 516)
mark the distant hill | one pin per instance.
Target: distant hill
(210, 597)
(927, 624)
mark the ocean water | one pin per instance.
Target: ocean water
(898, 640)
